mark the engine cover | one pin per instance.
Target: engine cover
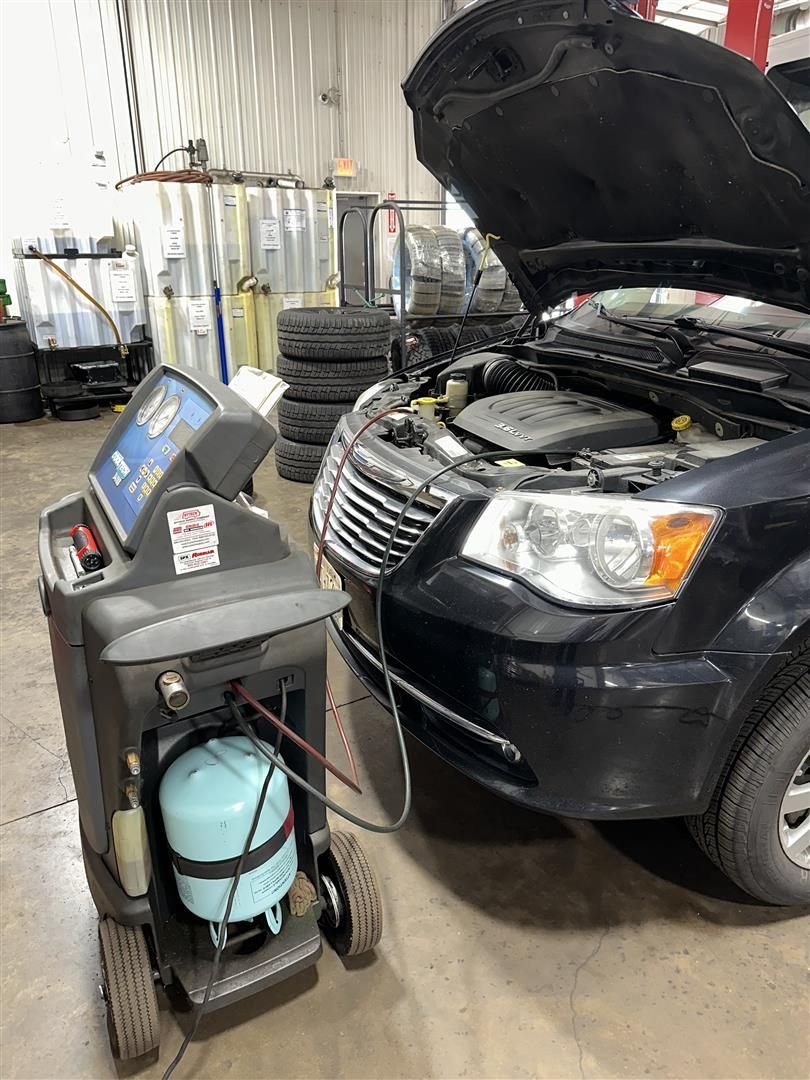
(553, 421)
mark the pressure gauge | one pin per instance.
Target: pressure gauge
(164, 416)
(151, 405)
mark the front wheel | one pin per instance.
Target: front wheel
(757, 827)
(352, 919)
(133, 1020)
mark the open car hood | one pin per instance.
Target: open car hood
(605, 150)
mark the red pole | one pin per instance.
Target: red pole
(646, 9)
(748, 29)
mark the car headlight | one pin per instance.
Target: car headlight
(596, 550)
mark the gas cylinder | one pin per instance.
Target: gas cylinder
(208, 797)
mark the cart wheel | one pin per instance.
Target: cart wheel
(133, 1021)
(352, 920)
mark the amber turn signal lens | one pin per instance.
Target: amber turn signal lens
(677, 539)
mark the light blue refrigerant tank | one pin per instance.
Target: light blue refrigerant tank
(208, 797)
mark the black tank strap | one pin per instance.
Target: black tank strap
(226, 868)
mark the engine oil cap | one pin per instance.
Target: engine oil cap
(682, 422)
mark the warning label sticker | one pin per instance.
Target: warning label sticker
(122, 284)
(195, 541)
(266, 881)
(269, 234)
(295, 220)
(199, 315)
(174, 242)
(189, 561)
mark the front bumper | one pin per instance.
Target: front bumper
(563, 712)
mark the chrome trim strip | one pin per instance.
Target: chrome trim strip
(448, 714)
(365, 509)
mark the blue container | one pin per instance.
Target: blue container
(208, 797)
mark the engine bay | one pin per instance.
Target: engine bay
(554, 436)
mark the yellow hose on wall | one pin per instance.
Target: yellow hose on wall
(122, 349)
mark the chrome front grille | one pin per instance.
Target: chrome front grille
(364, 513)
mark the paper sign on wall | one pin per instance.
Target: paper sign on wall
(229, 200)
(269, 234)
(174, 242)
(59, 217)
(199, 316)
(238, 313)
(292, 302)
(295, 220)
(122, 284)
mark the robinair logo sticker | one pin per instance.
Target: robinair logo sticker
(195, 542)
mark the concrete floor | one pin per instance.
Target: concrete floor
(515, 945)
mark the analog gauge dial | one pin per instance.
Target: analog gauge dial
(150, 406)
(164, 416)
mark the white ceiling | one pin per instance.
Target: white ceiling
(693, 16)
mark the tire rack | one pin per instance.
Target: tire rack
(369, 289)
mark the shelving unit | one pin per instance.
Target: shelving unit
(368, 288)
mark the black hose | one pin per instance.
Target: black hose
(177, 150)
(361, 823)
(231, 897)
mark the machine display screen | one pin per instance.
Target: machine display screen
(149, 439)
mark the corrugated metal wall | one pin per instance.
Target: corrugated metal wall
(247, 74)
(63, 86)
(65, 126)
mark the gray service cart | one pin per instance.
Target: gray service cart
(147, 633)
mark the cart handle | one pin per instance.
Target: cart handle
(221, 625)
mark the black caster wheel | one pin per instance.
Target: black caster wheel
(133, 1020)
(352, 920)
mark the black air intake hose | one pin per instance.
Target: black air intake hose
(510, 376)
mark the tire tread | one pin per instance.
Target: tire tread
(132, 1001)
(364, 914)
(722, 831)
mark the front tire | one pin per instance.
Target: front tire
(352, 921)
(757, 827)
(133, 1019)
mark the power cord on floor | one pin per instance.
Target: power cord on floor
(232, 893)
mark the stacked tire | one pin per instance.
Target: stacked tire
(328, 356)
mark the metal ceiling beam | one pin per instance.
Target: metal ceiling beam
(748, 29)
(684, 16)
(697, 19)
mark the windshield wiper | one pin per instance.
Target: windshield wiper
(768, 340)
(679, 340)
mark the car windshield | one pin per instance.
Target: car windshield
(730, 312)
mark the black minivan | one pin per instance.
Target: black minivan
(607, 613)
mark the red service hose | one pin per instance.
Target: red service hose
(352, 781)
(293, 736)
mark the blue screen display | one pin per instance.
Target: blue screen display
(149, 440)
